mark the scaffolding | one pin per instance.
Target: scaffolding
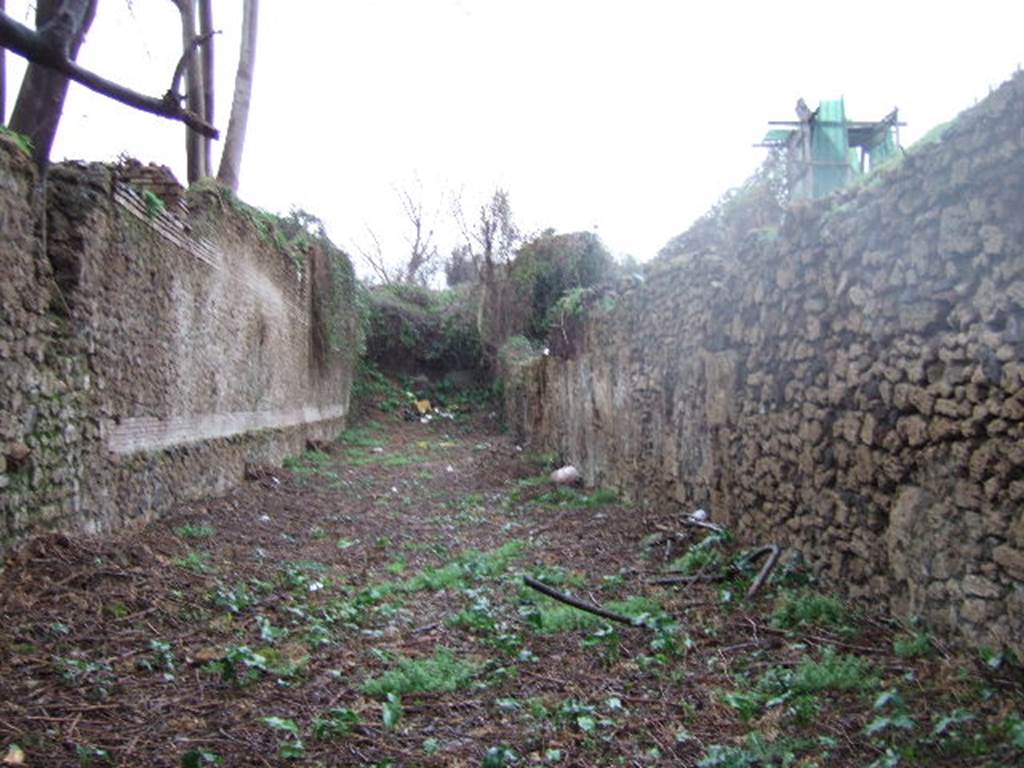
(825, 151)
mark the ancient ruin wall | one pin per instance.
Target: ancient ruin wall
(149, 355)
(849, 386)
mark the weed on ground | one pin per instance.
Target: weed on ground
(368, 608)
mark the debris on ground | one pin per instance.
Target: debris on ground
(393, 606)
(567, 475)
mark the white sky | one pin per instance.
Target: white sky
(630, 117)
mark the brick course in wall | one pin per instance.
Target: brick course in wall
(148, 355)
(850, 386)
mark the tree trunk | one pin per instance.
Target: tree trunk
(231, 158)
(206, 30)
(3, 74)
(63, 23)
(193, 91)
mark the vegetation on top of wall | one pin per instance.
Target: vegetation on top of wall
(337, 326)
(413, 328)
(756, 204)
(517, 350)
(20, 140)
(550, 266)
(293, 234)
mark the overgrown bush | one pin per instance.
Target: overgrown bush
(549, 267)
(413, 329)
(519, 298)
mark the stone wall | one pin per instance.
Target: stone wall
(850, 386)
(149, 355)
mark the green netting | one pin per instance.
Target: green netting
(777, 136)
(830, 148)
(881, 152)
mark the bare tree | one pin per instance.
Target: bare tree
(231, 158)
(421, 260)
(373, 255)
(51, 50)
(61, 26)
(423, 256)
(494, 238)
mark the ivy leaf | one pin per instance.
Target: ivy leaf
(197, 758)
(499, 757)
(877, 725)
(1017, 734)
(892, 696)
(391, 711)
(956, 717)
(282, 724)
(292, 749)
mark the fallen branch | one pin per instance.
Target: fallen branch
(708, 577)
(703, 524)
(561, 597)
(773, 553)
(30, 45)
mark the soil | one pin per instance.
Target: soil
(255, 628)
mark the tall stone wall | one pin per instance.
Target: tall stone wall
(850, 386)
(148, 355)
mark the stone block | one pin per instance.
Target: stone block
(1010, 559)
(977, 611)
(974, 585)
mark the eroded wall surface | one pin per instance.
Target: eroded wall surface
(148, 357)
(849, 386)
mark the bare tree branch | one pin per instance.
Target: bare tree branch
(374, 258)
(28, 44)
(193, 90)
(179, 69)
(423, 255)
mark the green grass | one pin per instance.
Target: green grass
(571, 497)
(309, 463)
(705, 554)
(797, 688)
(549, 616)
(360, 457)
(441, 672)
(806, 608)
(834, 672)
(759, 750)
(362, 437)
(469, 567)
(696, 559)
(195, 531)
(912, 645)
(195, 561)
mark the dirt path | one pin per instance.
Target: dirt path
(365, 607)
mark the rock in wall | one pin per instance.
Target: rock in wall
(148, 355)
(850, 385)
